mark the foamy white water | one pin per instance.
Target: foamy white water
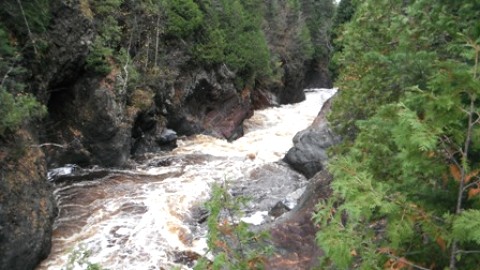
(143, 219)
(268, 133)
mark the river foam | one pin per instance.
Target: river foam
(143, 219)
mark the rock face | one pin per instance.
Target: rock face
(293, 234)
(308, 155)
(206, 102)
(104, 119)
(91, 123)
(27, 207)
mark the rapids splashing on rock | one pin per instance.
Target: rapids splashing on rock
(152, 217)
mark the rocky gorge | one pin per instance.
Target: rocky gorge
(147, 89)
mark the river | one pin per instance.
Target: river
(150, 217)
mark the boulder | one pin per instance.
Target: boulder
(309, 153)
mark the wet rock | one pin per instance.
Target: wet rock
(91, 122)
(309, 153)
(278, 209)
(74, 173)
(86, 112)
(158, 139)
(293, 234)
(167, 137)
(262, 99)
(206, 101)
(27, 207)
(267, 185)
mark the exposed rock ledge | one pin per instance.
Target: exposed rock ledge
(309, 153)
(293, 234)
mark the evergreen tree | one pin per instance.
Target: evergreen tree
(16, 106)
(407, 178)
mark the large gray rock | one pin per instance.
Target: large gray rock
(309, 153)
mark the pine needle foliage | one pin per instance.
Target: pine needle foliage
(16, 105)
(406, 188)
(231, 242)
(231, 33)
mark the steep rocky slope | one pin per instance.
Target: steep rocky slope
(27, 208)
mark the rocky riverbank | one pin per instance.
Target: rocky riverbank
(130, 95)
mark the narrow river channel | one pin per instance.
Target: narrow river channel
(151, 217)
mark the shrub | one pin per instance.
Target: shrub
(14, 110)
(16, 106)
(231, 242)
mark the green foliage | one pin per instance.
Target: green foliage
(109, 33)
(37, 13)
(184, 17)
(6, 50)
(105, 7)
(343, 14)
(407, 177)
(212, 49)
(231, 34)
(466, 227)
(28, 20)
(14, 110)
(97, 59)
(306, 45)
(79, 259)
(231, 242)
(319, 15)
(16, 106)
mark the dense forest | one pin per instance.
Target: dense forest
(406, 177)
(136, 39)
(406, 188)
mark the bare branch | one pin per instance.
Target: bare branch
(48, 144)
(463, 171)
(5, 77)
(468, 251)
(28, 27)
(471, 185)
